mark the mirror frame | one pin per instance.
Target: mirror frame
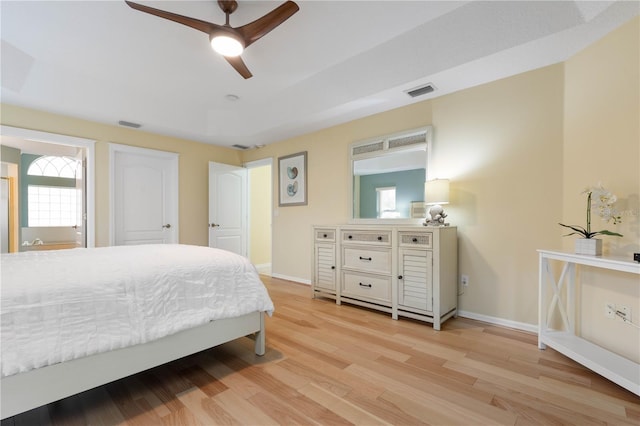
(381, 147)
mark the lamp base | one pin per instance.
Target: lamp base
(437, 215)
(429, 222)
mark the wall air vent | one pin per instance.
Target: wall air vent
(422, 90)
(370, 147)
(238, 146)
(418, 138)
(129, 124)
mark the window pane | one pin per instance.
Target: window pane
(54, 167)
(52, 206)
(386, 202)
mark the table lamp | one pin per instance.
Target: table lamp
(436, 193)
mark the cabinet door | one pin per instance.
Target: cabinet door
(415, 288)
(325, 266)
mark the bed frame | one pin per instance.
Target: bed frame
(25, 391)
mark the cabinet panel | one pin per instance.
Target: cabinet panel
(325, 235)
(367, 259)
(366, 286)
(377, 237)
(415, 288)
(414, 239)
(325, 266)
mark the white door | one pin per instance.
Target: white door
(144, 196)
(228, 207)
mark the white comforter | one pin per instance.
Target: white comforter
(65, 304)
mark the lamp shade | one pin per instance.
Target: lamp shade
(436, 191)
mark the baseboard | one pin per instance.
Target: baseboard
(288, 278)
(263, 268)
(532, 328)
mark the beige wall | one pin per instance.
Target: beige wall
(501, 145)
(260, 215)
(602, 143)
(193, 165)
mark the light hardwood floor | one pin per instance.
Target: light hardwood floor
(329, 364)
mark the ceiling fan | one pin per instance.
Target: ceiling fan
(226, 40)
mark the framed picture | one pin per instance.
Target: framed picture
(292, 180)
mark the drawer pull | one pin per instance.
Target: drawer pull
(399, 277)
(379, 238)
(365, 285)
(324, 235)
(350, 237)
(415, 240)
(365, 258)
(333, 267)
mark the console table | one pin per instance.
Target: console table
(614, 367)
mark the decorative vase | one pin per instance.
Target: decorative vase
(589, 246)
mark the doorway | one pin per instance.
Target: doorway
(260, 188)
(17, 141)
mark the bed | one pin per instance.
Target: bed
(76, 319)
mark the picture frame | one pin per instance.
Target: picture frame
(292, 180)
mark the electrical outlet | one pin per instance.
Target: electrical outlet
(464, 280)
(609, 310)
(624, 311)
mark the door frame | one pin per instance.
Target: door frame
(115, 148)
(250, 165)
(58, 139)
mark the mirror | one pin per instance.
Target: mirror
(388, 176)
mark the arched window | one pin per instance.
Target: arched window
(51, 166)
(52, 196)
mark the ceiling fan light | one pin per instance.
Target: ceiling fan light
(226, 45)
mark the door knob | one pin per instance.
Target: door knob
(168, 225)
(214, 225)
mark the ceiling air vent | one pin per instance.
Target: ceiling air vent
(238, 146)
(422, 90)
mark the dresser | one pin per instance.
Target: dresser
(406, 271)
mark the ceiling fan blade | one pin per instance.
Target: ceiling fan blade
(239, 65)
(253, 31)
(205, 27)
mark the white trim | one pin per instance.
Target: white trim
(264, 268)
(58, 139)
(532, 328)
(113, 149)
(251, 165)
(259, 163)
(294, 279)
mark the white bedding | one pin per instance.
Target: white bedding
(65, 304)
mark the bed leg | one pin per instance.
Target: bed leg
(260, 337)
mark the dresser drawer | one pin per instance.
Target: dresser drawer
(325, 235)
(366, 286)
(367, 259)
(415, 239)
(379, 238)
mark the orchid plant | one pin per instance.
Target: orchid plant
(602, 200)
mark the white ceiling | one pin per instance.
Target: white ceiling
(332, 62)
